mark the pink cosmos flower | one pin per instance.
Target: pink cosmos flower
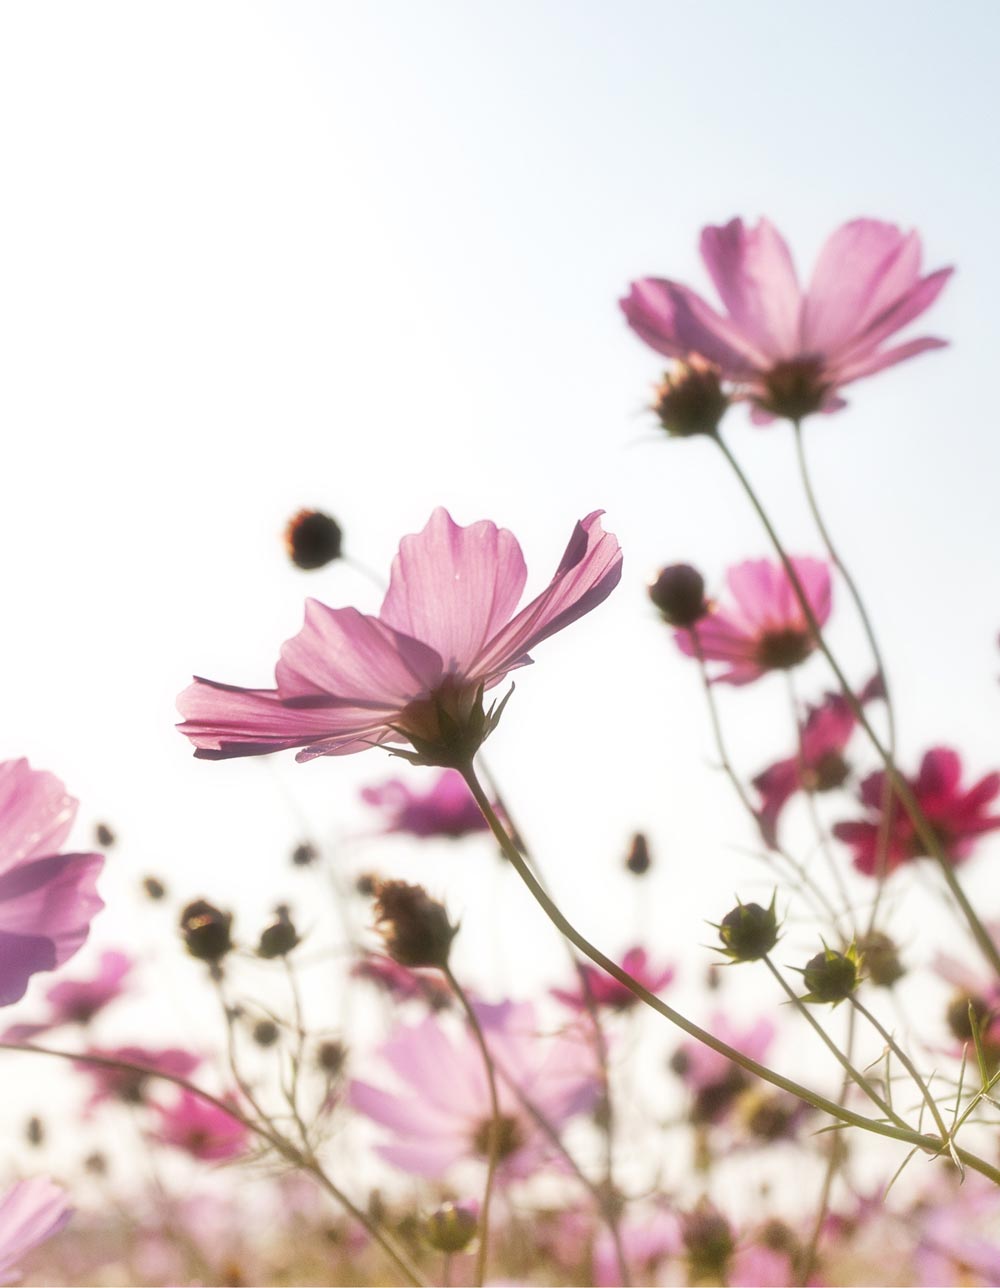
(402, 983)
(201, 1129)
(715, 1083)
(957, 815)
(77, 1001)
(605, 991)
(128, 1084)
(441, 1113)
(47, 899)
(446, 632)
(792, 350)
(30, 1213)
(764, 628)
(446, 809)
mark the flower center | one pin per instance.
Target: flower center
(795, 388)
(781, 650)
(505, 1130)
(827, 773)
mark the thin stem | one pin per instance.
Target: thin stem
(928, 1143)
(901, 788)
(307, 1163)
(495, 1124)
(907, 1064)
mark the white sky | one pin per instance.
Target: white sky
(366, 257)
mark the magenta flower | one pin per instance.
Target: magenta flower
(957, 815)
(47, 899)
(201, 1129)
(403, 984)
(77, 1001)
(792, 350)
(31, 1212)
(441, 1113)
(445, 633)
(605, 991)
(764, 629)
(129, 1085)
(446, 809)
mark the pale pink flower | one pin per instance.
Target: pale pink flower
(793, 350)
(714, 1081)
(200, 1128)
(763, 628)
(77, 1001)
(446, 809)
(446, 632)
(47, 899)
(402, 983)
(31, 1212)
(596, 988)
(441, 1113)
(130, 1085)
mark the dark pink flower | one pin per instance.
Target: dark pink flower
(77, 1001)
(31, 1212)
(441, 1113)
(792, 350)
(47, 899)
(763, 629)
(446, 632)
(447, 808)
(129, 1084)
(605, 991)
(402, 983)
(200, 1128)
(957, 815)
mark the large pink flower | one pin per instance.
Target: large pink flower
(958, 815)
(764, 628)
(791, 349)
(47, 899)
(446, 632)
(31, 1212)
(442, 1115)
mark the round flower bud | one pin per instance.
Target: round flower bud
(709, 1243)
(452, 1227)
(206, 931)
(305, 854)
(690, 400)
(679, 593)
(153, 888)
(415, 928)
(831, 976)
(638, 861)
(331, 1055)
(313, 539)
(279, 938)
(749, 932)
(34, 1131)
(104, 835)
(881, 959)
(265, 1033)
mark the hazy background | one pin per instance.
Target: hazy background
(366, 256)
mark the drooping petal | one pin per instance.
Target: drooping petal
(776, 785)
(36, 813)
(753, 272)
(55, 897)
(408, 1117)
(679, 324)
(21, 956)
(31, 1212)
(453, 588)
(589, 570)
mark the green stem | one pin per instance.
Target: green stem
(907, 1064)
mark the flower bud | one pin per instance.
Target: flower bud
(279, 938)
(415, 928)
(206, 931)
(34, 1131)
(265, 1033)
(153, 888)
(749, 932)
(709, 1243)
(679, 593)
(881, 959)
(313, 539)
(831, 976)
(452, 1227)
(331, 1056)
(690, 400)
(305, 854)
(638, 861)
(104, 835)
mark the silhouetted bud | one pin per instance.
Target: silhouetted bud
(105, 836)
(414, 927)
(279, 938)
(265, 1033)
(452, 1227)
(831, 976)
(690, 400)
(881, 959)
(96, 1163)
(313, 539)
(749, 932)
(713, 978)
(709, 1243)
(206, 931)
(34, 1130)
(638, 861)
(679, 593)
(331, 1056)
(153, 888)
(305, 854)
(367, 885)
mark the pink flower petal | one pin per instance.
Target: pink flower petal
(36, 810)
(679, 324)
(31, 1212)
(870, 364)
(753, 272)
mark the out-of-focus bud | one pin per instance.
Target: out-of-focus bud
(749, 932)
(690, 399)
(265, 1033)
(709, 1243)
(34, 1131)
(831, 976)
(962, 1010)
(206, 930)
(153, 888)
(414, 927)
(452, 1227)
(331, 1056)
(304, 854)
(638, 861)
(96, 1163)
(313, 539)
(881, 959)
(367, 885)
(280, 937)
(105, 836)
(679, 593)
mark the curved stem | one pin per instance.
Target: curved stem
(296, 1157)
(495, 1124)
(900, 786)
(929, 1144)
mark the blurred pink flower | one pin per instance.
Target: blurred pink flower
(793, 350)
(714, 1081)
(31, 1212)
(764, 628)
(128, 1084)
(605, 991)
(441, 1115)
(958, 1235)
(447, 808)
(47, 899)
(647, 1241)
(957, 815)
(77, 1001)
(445, 633)
(402, 983)
(200, 1128)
